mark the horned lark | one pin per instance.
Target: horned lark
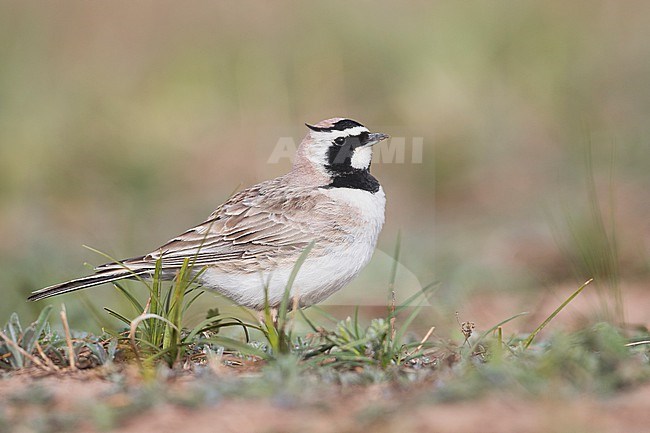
(251, 243)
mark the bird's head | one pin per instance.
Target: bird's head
(337, 147)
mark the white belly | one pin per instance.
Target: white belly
(318, 277)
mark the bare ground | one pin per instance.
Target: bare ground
(377, 408)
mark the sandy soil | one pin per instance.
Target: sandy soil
(627, 413)
(374, 408)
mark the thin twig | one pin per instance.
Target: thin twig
(426, 337)
(47, 359)
(68, 338)
(22, 351)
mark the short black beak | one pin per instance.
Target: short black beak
(375, 138)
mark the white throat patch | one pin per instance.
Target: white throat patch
(361, 157)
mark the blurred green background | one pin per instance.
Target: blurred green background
(122, 124)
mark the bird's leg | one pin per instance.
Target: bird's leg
(274, 316)
(294, 305)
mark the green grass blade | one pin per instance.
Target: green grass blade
(425, 291)
(172, 335)
(13, 331)
(532, 336)
(118, 262)
(129, 296)
(355, 321)
(311, 324)
(284, 305)
(38, 326)
(324, 313)
(193, 299)
(235, 323)
(209, 322)
(156, 289)
(404, 327)
(117, 316)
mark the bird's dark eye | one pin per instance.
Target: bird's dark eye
(339, 140)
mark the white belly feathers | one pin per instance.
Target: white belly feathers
(318, 277)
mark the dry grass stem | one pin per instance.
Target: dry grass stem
(47, 359)
(68, 338)
(426, 337)
(22, 351)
